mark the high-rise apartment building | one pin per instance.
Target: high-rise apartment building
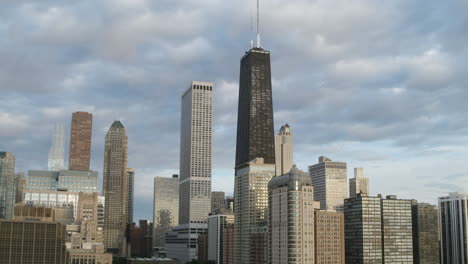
(358, 184)
(115, 188)
(7, 185)
(284, 150)
(131, 185)
(165, 209)
(218, 201)
(80, 141)
(57, 150)
(292, 213)
(20, 184)
(378, 230)
(426, 249)
(330, 183)
(195, 153)
(217, 224)
(31, 242)
(329, 237)
(453, 219)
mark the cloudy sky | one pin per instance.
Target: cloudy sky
(377, 84)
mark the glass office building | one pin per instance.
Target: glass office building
(64, 180)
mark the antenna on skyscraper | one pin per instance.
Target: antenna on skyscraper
(251, 30)
(259, 43)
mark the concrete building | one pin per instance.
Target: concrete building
(115, 189)
(217, 224)
(218, 201)
(56, 160)
(80, 141)
(131, 185)
(182, 241)
(378, 230)
(291, 212)
(284, 150)
(65, 180)
(358, 184)
(453, 219)
(329, 237)
(29, 242)
(251, 208)
(7, 183)
(20, 184)
(41, 213)
(195, 153)
(426, 249)
(165, 209)
(330, 183)
(90, 254)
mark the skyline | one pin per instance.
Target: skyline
(391, 147)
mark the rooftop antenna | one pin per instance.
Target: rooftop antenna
(259, 42)
(251, 30)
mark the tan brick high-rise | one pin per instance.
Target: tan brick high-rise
(80, 141)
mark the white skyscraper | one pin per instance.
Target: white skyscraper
(195, 170)
(329, 179)
(284, 151)
(57, 151)
(358, 184)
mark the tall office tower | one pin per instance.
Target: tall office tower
(358, 184)
(397, 230)
(32, 242)
(426, 249)
(217, 201)
(165, 209)
(195, 153)
(329, 179)
(57, 150)
(363, 230)
(291, 213)
(329, 237)
(453, 219)
(284, 150)
(251, 210)
(217, 224)
(7, 183)
(131, 185)
(20, 184)
(80, 141)
(115, 188)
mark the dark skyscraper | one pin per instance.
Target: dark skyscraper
(255, 132)
(80, 141)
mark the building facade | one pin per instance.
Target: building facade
(20, 184)
(165, 209)
(453, 219)
(358, 184)
(330, 183)
(64, 180)
(131, 185)
(216, 236)
(7, 183)
(30, 242)
(426, 249)
(291, 212)
(56, 160)
(251, 207)
(195, 153)
(218, 201)
(284, 150)
(80, 141)
(115, 189)
(329, 237)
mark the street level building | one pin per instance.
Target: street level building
(330, 183)
(80, 141)
(453, 219)
(426, 248)
(115, 189)
(284, 150)
(7, 185)
(358, 184)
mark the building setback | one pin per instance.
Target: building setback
(7, 183)
(115, 189)
(358, 184)
(284, 151)
(80, 141)
(330, 183)
(426, 249)
(165, 209)
(453, 220)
